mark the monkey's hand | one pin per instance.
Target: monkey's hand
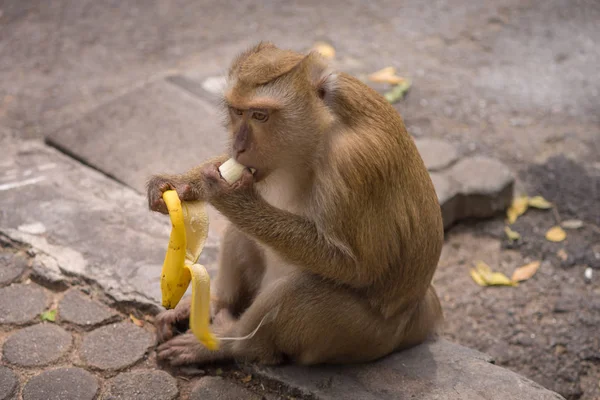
(218, 191)
(159, 184)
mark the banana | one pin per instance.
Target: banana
(189, 222)
(231, 170)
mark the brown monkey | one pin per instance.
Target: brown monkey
(336, 236)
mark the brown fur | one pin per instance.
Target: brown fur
(335, 242)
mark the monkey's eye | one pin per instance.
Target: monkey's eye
(260, 116)
(237, 111)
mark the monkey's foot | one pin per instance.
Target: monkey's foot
(186, 349)
(171, 322)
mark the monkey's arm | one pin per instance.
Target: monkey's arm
(190, 185)
(296, 238)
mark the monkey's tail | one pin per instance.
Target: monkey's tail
(270, 316)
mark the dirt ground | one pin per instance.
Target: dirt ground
(547, 327)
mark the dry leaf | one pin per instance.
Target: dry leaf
(247, 379)
(397, 92)
(512, 235)
(477, 278)
(562, 254)
(526, 271)
(136, 321)
(484, 276)
(517, 208)
(556, 234)
(539, 202)
(386, 75)
(325, 49)
(572, 224)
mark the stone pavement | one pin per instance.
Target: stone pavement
(90, 350)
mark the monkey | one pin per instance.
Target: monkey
(333, 239)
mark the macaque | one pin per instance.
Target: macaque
(333, 240)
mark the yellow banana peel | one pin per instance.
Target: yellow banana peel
(189, 222)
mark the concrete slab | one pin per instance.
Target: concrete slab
(93, 226)
(437, 370)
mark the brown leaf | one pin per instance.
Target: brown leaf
(539, 202)
(517, 208)
(246, 379)
(556, 234)
(512, 235)
(386, 75)
(136, 321)
(525, 272)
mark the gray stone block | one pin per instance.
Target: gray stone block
(437, 370)
(115, 346)
(155, 129)
(37, 345)
(437, 154)
(12, 267)
(20, 304)
(79, 309)
(101, 214)
(217, 388)
(8, 384)
(62, 384)
(142, 385)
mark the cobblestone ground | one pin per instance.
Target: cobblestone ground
(91, 350)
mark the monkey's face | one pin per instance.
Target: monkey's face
(276, 111)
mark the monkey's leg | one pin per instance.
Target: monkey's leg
(241, 270)
(303, 317)
(240, 273)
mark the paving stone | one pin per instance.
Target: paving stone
(37, 345)
(12, 266)
(217, 388)
(436, 370)
(62, 384)
(437, 154)
(142, 385)
(77, 308)
(21, 303)
(8, 384)
(115, 346)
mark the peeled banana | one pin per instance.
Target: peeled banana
(189, 222)
(231, 170)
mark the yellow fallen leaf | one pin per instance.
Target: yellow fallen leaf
(512, 235)
(136, 321)
(517, 208)
(539, 202)
(246, 379)
(386, 75)
(556, 234)
(484, 276)
(325, 49)
(526, 271)
(477, 278)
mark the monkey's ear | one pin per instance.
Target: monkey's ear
(320, 75)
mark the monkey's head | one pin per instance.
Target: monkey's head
(277, 112)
